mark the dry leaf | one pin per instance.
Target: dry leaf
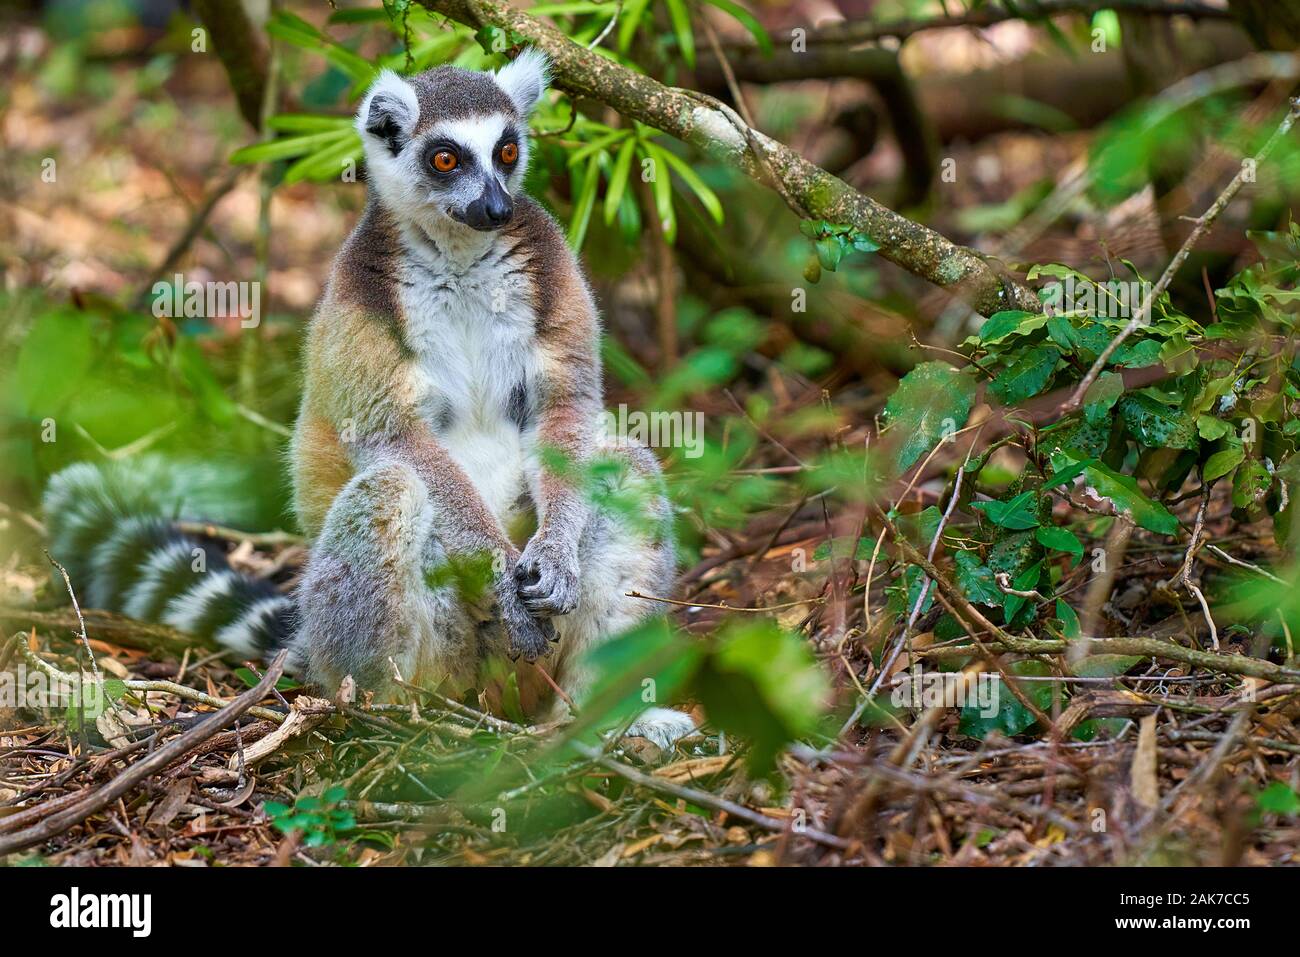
(1142, 774)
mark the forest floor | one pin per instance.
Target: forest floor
(313, 782)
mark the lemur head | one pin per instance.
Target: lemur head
(451, 145)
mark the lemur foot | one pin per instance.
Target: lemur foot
(662, 726)
(526, 636)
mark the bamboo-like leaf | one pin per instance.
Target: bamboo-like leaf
(585, 203)
(748, 21)
(618, 180)
(680, 16)
(663, 190)
(707, 196)
(633, 11)
(298, 32)
(288, 147)
(308, 123)
(597, 145)
(325, 164)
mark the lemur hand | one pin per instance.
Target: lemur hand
(526, 635)
(547, 574)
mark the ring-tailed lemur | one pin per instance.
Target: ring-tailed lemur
(451, 374)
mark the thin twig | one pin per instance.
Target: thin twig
(1203, 224)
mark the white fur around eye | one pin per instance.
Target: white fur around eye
(524, 79)
(477, 136)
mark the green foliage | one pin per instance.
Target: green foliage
(1220, 414)
(930, 405)
(1277, 798)
(1010, 717)
(469, 576)
(831, 243)
(319, 820)
(755, 681)
(96, 382)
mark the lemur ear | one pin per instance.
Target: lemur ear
(389, 111)
(524, 79)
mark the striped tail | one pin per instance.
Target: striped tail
(112, 527)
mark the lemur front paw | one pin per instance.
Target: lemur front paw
(547, 575)
(526, 635)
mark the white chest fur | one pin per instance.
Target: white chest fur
(471, 329)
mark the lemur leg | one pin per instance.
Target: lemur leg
(364, 602)
(619, 554)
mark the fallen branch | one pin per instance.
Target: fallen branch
(101, 798)
(107, 626)
(705, 799)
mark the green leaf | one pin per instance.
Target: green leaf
(663, 190)
(1157, 425)
(681, 21)
(1102, 396)
(931, 402)
(1025, 377)
(748, 21)
(1069, 619)
(1211, 428)
(308, 123)
(1103, 666)
(1277, 798)
(829, 252)
(1002, 324)
(1009, 716)
(1016, 514)
(1027, 580)
(585, 203)
(631, 19)
(1250, 484)
(1130, 501)
(708, 198)
(1138, 355)
(618, 180)
(290, 146)
(646, 666)
(976, 580)
(763, 684)
(1061, 539)
(596, 145)
(1067, 474)
(1222, 462)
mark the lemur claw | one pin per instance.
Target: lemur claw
(527, 636)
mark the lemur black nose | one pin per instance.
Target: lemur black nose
(498, 210)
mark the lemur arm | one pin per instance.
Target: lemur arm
(568, 412)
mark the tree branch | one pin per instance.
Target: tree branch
(690, 118)
(867, 31)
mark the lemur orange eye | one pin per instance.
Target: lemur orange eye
(509, 153)
(444, 161)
